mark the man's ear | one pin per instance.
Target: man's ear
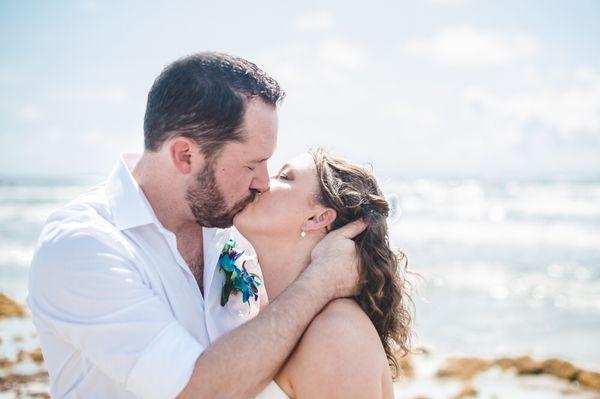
(320, 220)
(185, 155)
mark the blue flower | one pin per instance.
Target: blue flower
(236, 279)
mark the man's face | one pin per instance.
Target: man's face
(225, 185)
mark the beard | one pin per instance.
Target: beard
(207, 202)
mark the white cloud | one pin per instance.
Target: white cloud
(302, 68)
(114, 95)
(30, 113)
(341, 54)
(446, 2)
(315, 22)
(567, 111)
(467, 46)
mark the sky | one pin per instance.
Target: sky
(419, 89)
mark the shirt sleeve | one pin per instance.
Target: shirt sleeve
(92, 296)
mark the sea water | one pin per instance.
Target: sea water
(509, 267)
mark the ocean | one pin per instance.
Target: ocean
(509, 268)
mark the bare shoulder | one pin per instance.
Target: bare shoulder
(343, 324)
(339, 355)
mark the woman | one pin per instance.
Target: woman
(348, 349)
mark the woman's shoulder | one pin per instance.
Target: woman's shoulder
(340, 346)
(345, 321)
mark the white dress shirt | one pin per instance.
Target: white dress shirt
(118, 312)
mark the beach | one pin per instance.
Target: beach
(508, 307)
(422, 374)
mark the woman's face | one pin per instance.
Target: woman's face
(290, 202)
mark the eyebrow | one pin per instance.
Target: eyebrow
(259, 160)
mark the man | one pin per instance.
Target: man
(124, 287)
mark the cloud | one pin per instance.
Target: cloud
(445, 2)
(315, 22)
(112, 95)
(341, 54)
(30, 113)
(467, 46)
(302, 67)
(567, 112)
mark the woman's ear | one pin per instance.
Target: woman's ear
(320, 220)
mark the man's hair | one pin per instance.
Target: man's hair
(203, 97)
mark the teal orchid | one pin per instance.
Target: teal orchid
(237, 277)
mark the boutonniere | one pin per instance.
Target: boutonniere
(237, 278)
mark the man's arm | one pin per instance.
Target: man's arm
(242, 362)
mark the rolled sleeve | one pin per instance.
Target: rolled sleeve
(176, 351)
(95, 299)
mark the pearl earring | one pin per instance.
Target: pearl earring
(303, 234)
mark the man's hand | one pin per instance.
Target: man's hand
(335, 260)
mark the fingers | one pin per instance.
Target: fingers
(352, 229)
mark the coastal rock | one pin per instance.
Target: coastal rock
(36, 355)
(467, 368)
(465, 392)
(560, 368)
(9, 308)
(6, 362)
(590, 379)
(13, 382)
(463, 368)
(526, 365)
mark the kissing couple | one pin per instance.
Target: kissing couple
(191, 273)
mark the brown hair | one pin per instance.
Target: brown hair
(352, 191)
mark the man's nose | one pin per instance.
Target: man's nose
(261, 180)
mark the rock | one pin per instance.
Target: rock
(463, 368)
(466, 368)
(6, 362)
(9, 308)
(465, 392)
(504, 363)
(36, 355)
(589, 378)
(560, 369)
(526, 365)
(14, 382)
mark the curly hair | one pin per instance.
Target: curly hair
(352, 191)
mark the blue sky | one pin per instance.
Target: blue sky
(437, 88)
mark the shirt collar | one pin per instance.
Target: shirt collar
(128, 203)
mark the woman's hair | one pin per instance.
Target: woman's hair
(352, 191)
